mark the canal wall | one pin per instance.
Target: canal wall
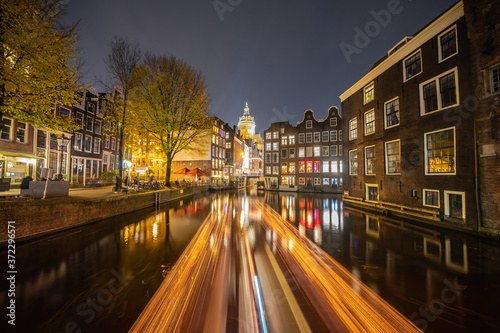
(35, 218)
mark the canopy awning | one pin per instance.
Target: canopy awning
(17, 154)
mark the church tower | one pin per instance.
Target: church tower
(246, 124)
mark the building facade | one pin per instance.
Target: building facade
(307, 157)
(406, 143)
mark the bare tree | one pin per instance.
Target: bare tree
(122, 62)
(171, 105)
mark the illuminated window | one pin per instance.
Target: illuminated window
(275, 135)
(317, 168)
(370, 160)
(284, 140)
(326, 181)
(268, 136)
(291, 167)
(325, 150)
(353, 162)
(326, 166)
(368, 93)
(308, 151)
(440, 152)
(301, 152)
(353, 129)
(302, 166)
(275, 146)
(309, 166)
(370, 122)
(284, 168)
(335, 167)
(317, 151)
(291, 139)
(268, 146)
(302, 181)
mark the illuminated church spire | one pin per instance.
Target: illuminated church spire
(246, 124)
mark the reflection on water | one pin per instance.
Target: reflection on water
(99, 277)
(442, 280)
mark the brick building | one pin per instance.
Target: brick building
(306, 157)
(407, 145)
(483, 24)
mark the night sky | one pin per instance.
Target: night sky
(283, 57)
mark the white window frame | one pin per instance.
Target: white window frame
(97, 143)
(447, 205)
(424, 191)
(357, 160)
(302, 138)
(24, 130)
(333, 135)
(82, 124)
(291, 139)
(309, 137)
(76, 146)
(97, 121)
(276, 135)
(309, 124)
(333, 150)
(317, 181)
(365, 123)
(440, 51)
(317, 151)
(309, 152)
(10, 127)
(353, 129)
(367, 186)
(385, 113)
(427, 173)
(405, 78)
(91, 141)
(365, 88)
(326, 166)
(291, 153)
(268, 135)
(490, 80)
(91, 121)
(333, 122)
(317, 137)
(302, 152)
(325, 150)
(438, 91)
(386, 158)
(366, 161)
(325, 135)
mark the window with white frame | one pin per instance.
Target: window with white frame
(90, 124)
(316, 137)
(302, 181)
(301, 138)
(333, 150)
(98, 125)
(317, 151)
(21, 132)
(113, 143)
(353, 162)
(268, 146)
(268, 170)
(291, 139)
(308, 137)
(276, 157)
(333, 122)
(340, 150)
(268, 135)
(282, 130)
(41, 139)
(292, 152)
(64, 112)
(79, 120)
(393, 157)
(333, 135)
(317, 181)
(301, 152)
(439, 92)
(275, 135)
(447, 43)
(5, 131)
(284, 168)
(440, 152)
(275, 145)
(97, 145)
(326, 181)
(78, 141)
(413, 65)
(391, 112)
(371, 192)
(326, 166)
(335, 166)
(369, 122)
(284, 153)
(284, 140)
(267, 158)
(454, 204)
(309, 124)
(291, 167)
(368, 93)
(276, 170)
(87, 144)
(325, 151)
(430, 198)
(309, 152)
(353, 129)
(106, 142)
(340, 166)
(340, 135)
(370, 160)
(325, 136)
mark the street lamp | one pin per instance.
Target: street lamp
(62, 143)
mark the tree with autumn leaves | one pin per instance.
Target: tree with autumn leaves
(38, 68)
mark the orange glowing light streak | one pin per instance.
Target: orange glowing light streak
(193, 297)
(344, 302)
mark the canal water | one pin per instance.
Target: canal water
(99, 277)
